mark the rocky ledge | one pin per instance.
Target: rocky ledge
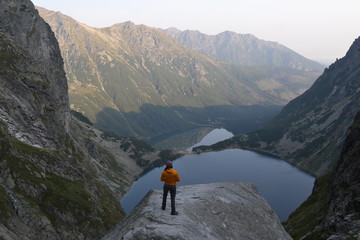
(206, 211)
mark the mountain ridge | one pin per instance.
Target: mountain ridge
(310, 130)
(128, 76)
(242, 49)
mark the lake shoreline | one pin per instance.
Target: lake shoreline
(283, 185)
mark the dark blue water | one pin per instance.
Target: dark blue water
(282, 185)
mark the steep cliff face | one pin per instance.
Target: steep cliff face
(343, 218)
(333, 209)
(206, 211)
(48, 181)
(34, 100)
(59, 179)
(310, 131)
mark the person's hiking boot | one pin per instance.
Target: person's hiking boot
(174, 213)
(162, 208)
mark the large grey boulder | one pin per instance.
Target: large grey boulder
(206, 211)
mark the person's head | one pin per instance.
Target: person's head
(169, 164)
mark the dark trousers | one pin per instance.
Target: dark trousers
(172, 189)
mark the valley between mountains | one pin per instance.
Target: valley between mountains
(139, 81)
(75, 100)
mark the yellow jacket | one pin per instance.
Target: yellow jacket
(170, 176)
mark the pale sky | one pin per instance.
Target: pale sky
(321, 30)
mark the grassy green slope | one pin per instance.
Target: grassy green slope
(52, 185)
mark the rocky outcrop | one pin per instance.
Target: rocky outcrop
(343, 218)
(310, 131)
(33, 97)
(55, 194)
(206, 211)
(333, 209)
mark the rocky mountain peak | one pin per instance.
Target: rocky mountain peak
(172, 30)
(354, 51)
(144, 41)
(243, 49)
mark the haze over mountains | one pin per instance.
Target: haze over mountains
(136, 80)
(61, 178)
(309, 132)
(243, 49)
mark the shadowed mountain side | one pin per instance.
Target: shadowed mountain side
(159, 122)
(310, 131)
(127, 66)
(58, 178)
(332, 210)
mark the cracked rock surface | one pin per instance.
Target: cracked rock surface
(206, 211)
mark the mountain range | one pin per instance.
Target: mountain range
(319, 132)
(135, 80)
(243, 49)
(61, 178)
(310, 131)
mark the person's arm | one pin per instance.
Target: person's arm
(162, 178)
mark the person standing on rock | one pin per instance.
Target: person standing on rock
(169, 176)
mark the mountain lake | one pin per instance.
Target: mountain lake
(283, 186)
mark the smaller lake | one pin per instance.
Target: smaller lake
(216, 135)
(281, 184)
